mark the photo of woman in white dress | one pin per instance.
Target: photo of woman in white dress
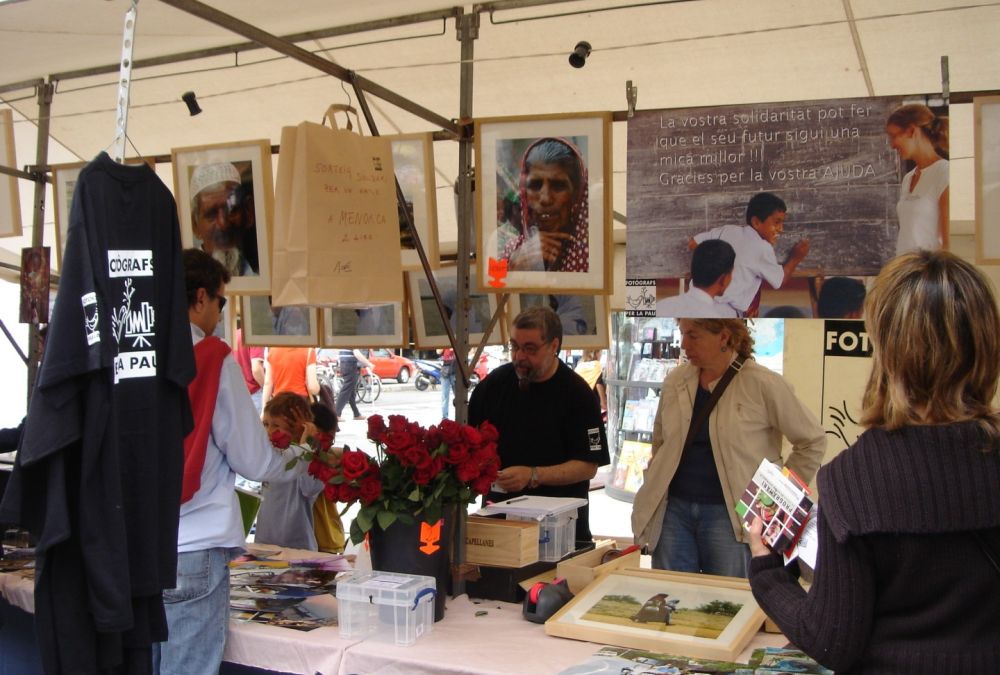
(920, 136)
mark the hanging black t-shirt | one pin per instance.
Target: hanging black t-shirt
(550, 423)
(102, 452)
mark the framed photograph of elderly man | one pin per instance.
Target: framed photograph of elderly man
(543, 206)
(225, 202)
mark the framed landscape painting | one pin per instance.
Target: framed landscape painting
(672, 612)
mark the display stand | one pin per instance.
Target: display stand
(642, 352)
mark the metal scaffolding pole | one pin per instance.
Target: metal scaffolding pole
(45, 92)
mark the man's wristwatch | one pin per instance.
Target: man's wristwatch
(533, 483)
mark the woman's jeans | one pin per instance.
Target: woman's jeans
(699, 538)
(197, 615)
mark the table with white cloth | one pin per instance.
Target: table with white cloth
(465, 642)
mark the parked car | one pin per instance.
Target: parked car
(392, 366)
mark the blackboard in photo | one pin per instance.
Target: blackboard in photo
(693, 174)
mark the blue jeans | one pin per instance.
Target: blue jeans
(446, 407)
(699, 538)
(197, 615)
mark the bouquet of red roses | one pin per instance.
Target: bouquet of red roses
(416, 471)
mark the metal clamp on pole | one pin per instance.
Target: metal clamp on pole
(945, 80)
(124, 81)
(631, 96)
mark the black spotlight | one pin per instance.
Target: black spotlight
(192, 103)
(580, 53)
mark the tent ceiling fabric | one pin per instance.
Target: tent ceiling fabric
(678, 54)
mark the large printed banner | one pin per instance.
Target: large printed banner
(692, 172)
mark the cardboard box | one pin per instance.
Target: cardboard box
(582, 569)
(501, 543)
(510, 584)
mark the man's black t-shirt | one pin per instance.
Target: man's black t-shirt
(550, 423)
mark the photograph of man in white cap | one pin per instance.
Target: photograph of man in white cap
(222, 217)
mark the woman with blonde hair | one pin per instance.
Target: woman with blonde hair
(920, 136)
(908, 572)
(719, 415)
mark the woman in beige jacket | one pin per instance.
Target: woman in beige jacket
(684, 510)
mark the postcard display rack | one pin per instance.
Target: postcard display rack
(643, 350)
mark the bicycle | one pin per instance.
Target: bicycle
(369, 387)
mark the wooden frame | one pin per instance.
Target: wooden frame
(413, 162)
(584, 317)
(10, 197)
(986, 112)
(64, 177)
(377, 326)
(288, 327)
(600, 613)
(428, 329)
(242, 173)
(509, 249)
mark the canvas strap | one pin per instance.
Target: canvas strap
(344, 108)
(703, 414)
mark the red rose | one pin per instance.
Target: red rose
(481, 485)
(457, 453)
(346, 493)
(423, 475)
(353, 464)
(467, 472)
(489, 433)
(432, 439)
(369, 490)
(415, 456)
(398, 442)
(471, 436)
(281, 439)
(376, 429)
(451, 431)
(398, 423)
(323, 440)
(321, 471)
(330, 492)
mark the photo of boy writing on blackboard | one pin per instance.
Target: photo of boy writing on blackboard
(755, 258)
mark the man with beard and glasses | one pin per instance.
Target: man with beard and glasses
(552, 438)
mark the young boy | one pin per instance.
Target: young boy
(754, 246)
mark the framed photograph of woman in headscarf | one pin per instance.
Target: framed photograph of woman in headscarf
(225, 204)
(543, 204)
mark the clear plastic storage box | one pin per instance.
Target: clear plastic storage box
(556, 534)
(387, 606)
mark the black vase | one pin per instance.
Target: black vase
(418, 548)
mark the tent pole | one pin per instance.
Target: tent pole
(45, 92)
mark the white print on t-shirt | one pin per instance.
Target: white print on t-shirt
(91, 318)
(594, 435)
(130, 263)
(133, 322)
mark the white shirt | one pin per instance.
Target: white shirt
(695, 304)
(237, 443)
(755, 261)
(918, 210)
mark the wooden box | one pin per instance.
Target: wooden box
(501, 543)
(582, 569)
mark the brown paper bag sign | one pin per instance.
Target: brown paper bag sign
(336, 230)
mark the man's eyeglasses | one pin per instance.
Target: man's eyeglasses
(222, 302)
(530, 349)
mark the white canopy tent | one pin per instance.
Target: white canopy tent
(677, 53)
